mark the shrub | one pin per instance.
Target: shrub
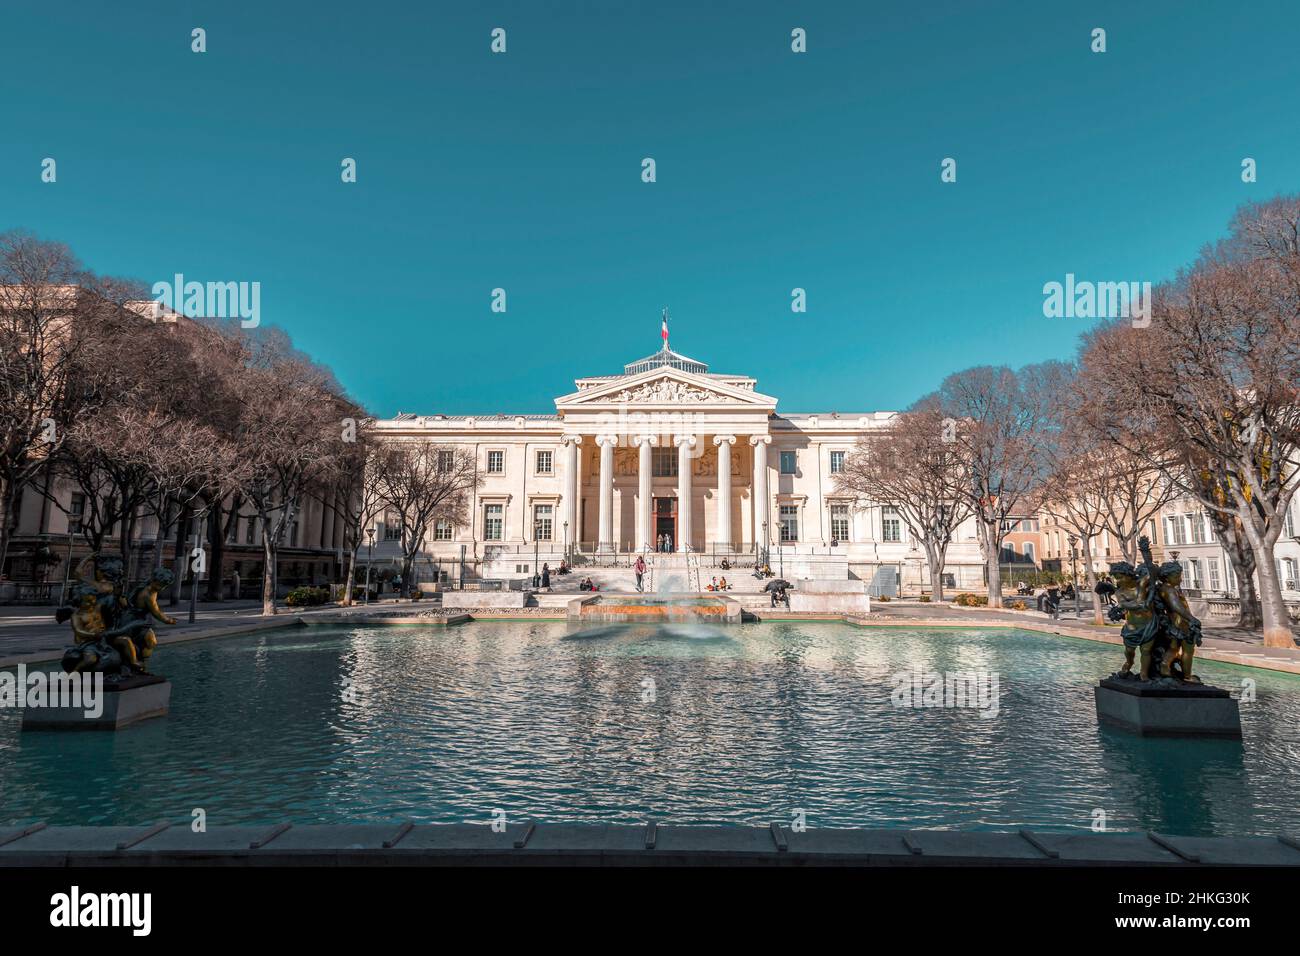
(1017, 605)
(307, 597)
(883, 597)
(971, 600)
(925, 599)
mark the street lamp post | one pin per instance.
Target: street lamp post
(370, 550)
(196, 573)
(566, 541)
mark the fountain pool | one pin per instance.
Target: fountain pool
(679, 723)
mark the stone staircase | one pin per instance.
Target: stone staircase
(666, 573)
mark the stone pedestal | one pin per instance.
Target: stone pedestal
(124, 702)
(1167, 708)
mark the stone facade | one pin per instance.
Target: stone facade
(670, 455)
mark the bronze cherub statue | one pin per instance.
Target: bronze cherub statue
(1157, 619)
(111, 633)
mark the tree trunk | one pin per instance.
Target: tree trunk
(164, 526)
(178, 556)
(936, 558)
(217, 539)
(1091, 574)
(1276, 621)
(993, 561)
(408, 561)
(6, 507)
(268, 571)
(347, 578)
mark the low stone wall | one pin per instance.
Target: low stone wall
(829, 603)
(558, 844)
(475, 599)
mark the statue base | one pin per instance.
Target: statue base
(125, 702)
(1167, 708)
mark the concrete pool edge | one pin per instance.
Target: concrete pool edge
(403, 843)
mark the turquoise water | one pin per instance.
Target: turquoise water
(746, 724)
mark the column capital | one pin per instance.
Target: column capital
(688, 440)
(610, 440)
(575, 439)
(645, 440)
(719, 439)
(760, 439)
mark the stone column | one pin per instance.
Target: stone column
(644, 502)
(723, 533)
(572, 484)
(684, 445)
(760, 443)
(605, 535)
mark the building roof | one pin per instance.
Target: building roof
(665, 358)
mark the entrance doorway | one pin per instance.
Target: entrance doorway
(665, 524)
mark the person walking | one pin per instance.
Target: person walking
(546, 576)
(639, 568)
(1106, 591)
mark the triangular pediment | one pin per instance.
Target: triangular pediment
(665, 387)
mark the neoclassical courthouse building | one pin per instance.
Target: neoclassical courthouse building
(668, 455)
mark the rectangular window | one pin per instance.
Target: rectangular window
(1198, 528)
(1214, 573)
(1177, 530)
(493, 522)
(76, 511)
(543, 462)
(839, 521)
(789, 523)
(890, 525)
(442, 530)
(789, 463)
(837, 462)
(446, 461)
(664, 462)
(496, 462)
(250, 531)
(392, 528)
(542, 518)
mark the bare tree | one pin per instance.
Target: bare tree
(915, 465)
(1214, 379)
(286, 436)
(359, 489)
(424, 482)
(43, 314)
(1004, 424)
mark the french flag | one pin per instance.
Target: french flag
(664, 329)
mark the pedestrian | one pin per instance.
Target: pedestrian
(639, 568)
(1054, 602)
(546, 575)
(234, 584)
(1106, 590)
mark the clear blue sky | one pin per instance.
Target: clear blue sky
(522, 170)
